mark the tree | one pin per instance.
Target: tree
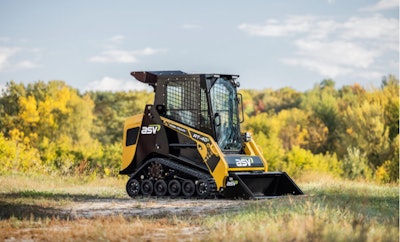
(365, 128)
(293, 128)
(265, 130)
(112, 108)
(390, 91)
(322, 103)
(269, 100)
(9, 106)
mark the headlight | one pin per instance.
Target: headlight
(247, 136)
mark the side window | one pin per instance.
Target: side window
(224, 103)
(182, 102)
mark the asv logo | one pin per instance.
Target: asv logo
(151, 129)
(244, 161)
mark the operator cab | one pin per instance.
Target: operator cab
(207, 102)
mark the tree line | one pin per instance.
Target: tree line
(350, 132)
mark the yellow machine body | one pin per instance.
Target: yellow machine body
(188, 143)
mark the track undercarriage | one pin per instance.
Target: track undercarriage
(161, 177)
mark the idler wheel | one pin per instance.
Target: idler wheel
(133, 187)
(202, 188)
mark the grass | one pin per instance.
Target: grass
(337, 211)
(331, 210)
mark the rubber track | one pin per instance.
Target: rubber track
(183, 169)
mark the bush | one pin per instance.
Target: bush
(110, 161)
(16, 155)
(299, 160)
(355, 165)
(382, 173)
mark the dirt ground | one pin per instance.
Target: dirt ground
(145, 207)
(159, 208)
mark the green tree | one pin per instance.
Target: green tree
(322, 102)
(390, 91)
(9, 106)
(281, 99)
(293, 128)
(365, 127)
(265, 130)
(248, 104)
(112, 108)
(356, 165)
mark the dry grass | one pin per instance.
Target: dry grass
(56, 184)
(331, 210)
(100, 229)
(302, 220)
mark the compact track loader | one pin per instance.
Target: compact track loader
(189, 144)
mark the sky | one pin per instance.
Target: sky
(94, 45)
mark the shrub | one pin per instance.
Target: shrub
(16, 155)
(299, 160)
(382, 173)
(355, 165)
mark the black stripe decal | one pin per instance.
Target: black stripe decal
(213, 162)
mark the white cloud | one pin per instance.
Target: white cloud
(5, 55)
(336, 53)
(10, 58)
(124, 56)
(333, 48)
(191, 26)
(381, 5)
(312, 26)
(113, 84)
(4, 39)
(276, 28)
(114, 54)
(114, 42)
(325, 69)
(149, 51)
(331, 59)
(116, 38)
(26, 64)
(384, 31)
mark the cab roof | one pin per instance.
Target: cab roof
(150, 77)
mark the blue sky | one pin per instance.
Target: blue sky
(94, 45)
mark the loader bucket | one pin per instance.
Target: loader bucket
(251, 185)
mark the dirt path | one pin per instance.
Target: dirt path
(129, 208)
(148, 207)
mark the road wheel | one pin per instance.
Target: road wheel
(188, 188)
(174, 188)
(147, 188)
(160, 188)
(133, 187)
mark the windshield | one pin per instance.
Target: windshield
(224, 104)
